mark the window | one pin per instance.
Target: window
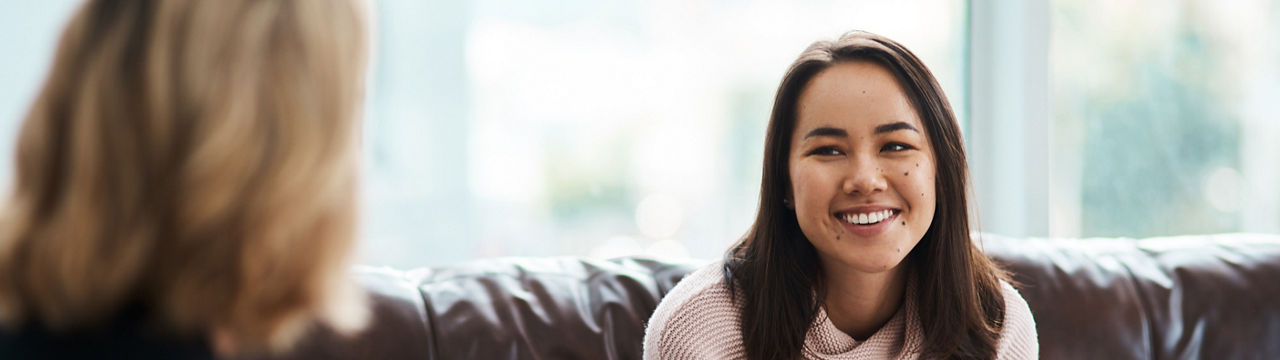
(507, 128)
(1164, 117)
(503, 128)
(593, 128)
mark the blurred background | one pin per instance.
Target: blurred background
(605, 128)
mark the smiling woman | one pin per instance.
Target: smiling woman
(843, 169)
(861, 246)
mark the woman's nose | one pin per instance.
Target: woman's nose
(864, 177)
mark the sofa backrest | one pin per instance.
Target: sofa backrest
(1187, 297)
(1212, 296)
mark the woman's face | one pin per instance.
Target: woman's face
(862, 170)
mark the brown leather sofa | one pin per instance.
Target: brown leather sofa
(1212, 296)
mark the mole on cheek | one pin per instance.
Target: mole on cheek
(904, 223)
(906, 173)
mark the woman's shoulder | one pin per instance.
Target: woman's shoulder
(1018, 338)
(699, 318)
(703, 284)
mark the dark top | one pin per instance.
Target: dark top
(127, 337)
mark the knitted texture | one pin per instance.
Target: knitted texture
(698, 319)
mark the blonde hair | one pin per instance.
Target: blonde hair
(196, 158)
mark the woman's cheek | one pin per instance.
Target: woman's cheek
(814, 196)
(920, 177)
(806, 180)
(921, 195)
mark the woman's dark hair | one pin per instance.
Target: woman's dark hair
(775, 271)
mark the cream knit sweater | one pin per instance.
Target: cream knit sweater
(699, 320)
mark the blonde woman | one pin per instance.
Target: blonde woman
(185, 182)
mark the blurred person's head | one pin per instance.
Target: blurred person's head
(861, 127)
(194, 158)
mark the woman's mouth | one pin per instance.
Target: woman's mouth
(867, 218)
(866, 224)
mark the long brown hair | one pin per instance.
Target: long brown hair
(196, 159)
(776, 272)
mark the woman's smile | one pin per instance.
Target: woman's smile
(867, 221)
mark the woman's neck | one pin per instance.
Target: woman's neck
(860, 303)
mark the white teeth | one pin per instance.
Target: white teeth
(869, 218)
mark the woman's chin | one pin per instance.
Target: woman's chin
(869, 261)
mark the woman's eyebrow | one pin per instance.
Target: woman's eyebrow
(827, 131)
(901, 125)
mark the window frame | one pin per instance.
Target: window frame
(1007, 108)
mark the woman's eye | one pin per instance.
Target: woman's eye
(896, 147)
(827, 151)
